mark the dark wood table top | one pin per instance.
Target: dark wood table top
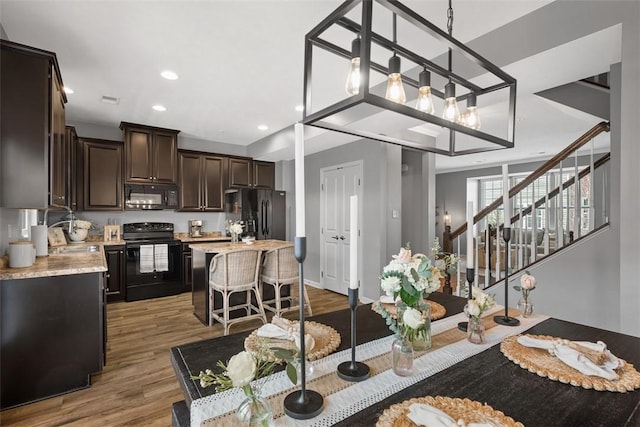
(488, 377)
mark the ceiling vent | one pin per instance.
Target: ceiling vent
(110, 100)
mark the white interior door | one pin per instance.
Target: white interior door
(338, 184)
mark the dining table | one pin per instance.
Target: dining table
(487, 376)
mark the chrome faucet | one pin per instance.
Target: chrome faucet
(70, 221)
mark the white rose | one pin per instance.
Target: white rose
(241, 369)
(412, 318)
(527, 281)
(473, 309)
(390, 285)
(394, 266)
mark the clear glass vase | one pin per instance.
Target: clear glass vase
(525, 307)
(255, 411)
(234, 238)
(420, 338)
(402, 357)
(475, 330)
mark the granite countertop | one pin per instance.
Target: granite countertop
(61, 264)
(263, 245)
(207, 236)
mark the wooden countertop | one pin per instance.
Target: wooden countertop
(223, 247)
(60, 265)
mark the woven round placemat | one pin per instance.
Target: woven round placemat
(467, 410)
(437, 310)
(542, 363)
(326, 340)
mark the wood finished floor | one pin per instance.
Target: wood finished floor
(137, 386)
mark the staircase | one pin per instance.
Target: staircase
(557, 205)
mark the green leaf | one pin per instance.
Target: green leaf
(292, 373)
(283, 353)
(414, 274)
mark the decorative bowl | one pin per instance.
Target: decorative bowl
(78, 235)
(249, 240)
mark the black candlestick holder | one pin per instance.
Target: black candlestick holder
(470, 273)
(506, 320)
(302, 404)
(353, 371)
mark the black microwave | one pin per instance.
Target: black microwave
(150, 196)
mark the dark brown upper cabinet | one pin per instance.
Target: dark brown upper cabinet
(264, 175)
(239, 173)
(71, 138)
(150, 153)
(201, 181)
(102, 175)
(32, 129)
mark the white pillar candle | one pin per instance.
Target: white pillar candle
(353, 244)
(299, 179)
(505, 196)
(469, 234)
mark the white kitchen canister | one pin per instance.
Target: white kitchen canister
(21, 254)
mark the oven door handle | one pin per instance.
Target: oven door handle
(137, 245)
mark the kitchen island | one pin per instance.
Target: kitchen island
(53, 326)
(202, 253)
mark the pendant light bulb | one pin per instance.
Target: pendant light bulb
(395, 90)
(425, 100)
(471, 116)
(352, 86)
(450, 111)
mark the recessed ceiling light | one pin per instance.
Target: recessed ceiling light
(169, 75)
(263, 127)
(68, 90)
(159, 107)
(299, 108)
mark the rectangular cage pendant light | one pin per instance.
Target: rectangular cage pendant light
(407, 82)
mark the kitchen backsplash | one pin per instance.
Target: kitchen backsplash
(212, 221)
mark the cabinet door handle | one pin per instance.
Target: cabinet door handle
(335, 237)
(341, 237)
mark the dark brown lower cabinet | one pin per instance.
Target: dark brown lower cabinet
(53, 333)
(187, 275)
(102, 175)
(115, 278)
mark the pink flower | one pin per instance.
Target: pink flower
(404, 256)
(527, 282)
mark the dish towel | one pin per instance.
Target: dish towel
(146, 258)
(422, 414)
(161, 257)
(283, 329)
(587, 357)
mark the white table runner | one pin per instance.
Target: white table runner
(359, 395)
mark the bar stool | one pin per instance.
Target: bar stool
(280, 269)
(234, 272)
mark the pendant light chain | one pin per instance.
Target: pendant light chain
(395, 27)
(450, 29)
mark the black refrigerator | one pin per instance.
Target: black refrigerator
(263, 211)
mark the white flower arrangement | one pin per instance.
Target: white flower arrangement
(410, 277)
(479, 303)
(234, 227)
(446, 262)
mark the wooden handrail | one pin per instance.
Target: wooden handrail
(547, 166)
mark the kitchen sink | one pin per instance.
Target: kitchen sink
(74, 249)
